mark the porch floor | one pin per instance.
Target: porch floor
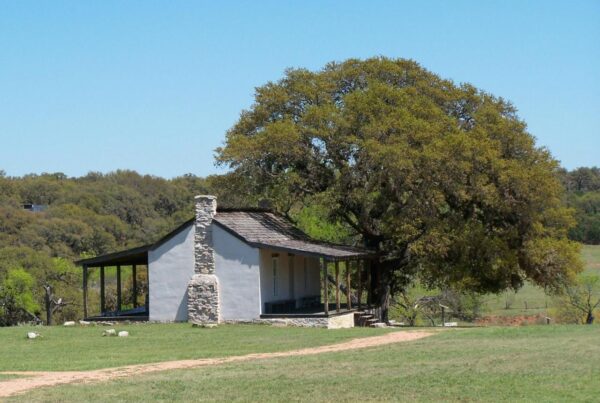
(314, 312)
(137, 314)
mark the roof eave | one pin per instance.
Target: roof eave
(275, 246)
(333, 258)
(110, 257)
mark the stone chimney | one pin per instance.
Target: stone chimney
(206, 208)
(203, 288)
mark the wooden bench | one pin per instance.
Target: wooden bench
(310, 302)
(283, 306)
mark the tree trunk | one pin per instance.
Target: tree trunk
(590, 318)
(48, 300)
(384, 287)
(384, 302)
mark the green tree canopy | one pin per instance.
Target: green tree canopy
(442, 179)
(587, 207)
(17, 302)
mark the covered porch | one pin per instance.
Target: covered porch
(316, 280)
(119, 284)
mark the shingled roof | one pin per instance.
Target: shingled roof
(257, 227)
(265, 229)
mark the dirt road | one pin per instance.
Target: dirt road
(33, 379)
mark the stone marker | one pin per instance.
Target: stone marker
(33, 335)
(84, 323)
(109, 332)
(69, 323)
(123, 333)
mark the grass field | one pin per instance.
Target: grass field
(80, 348)
(531, 363)
(531, 300)
(591, 255)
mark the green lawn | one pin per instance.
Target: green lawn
(531, 300)
(77, 348)
(531, 363)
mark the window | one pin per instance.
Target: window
(275, 262)
(305, 275)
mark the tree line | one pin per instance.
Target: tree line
(583, 195)
(102, 213)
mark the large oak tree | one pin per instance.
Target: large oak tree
(443, 180)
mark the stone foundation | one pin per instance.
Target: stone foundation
(341, 321)
(203, 299)
(332, 322)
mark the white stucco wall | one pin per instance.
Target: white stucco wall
(170, 268)
(311, 287)
(245, 277)
(237, 266)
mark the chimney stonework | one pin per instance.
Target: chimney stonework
(203, 288)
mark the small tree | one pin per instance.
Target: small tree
(407, 307)
(17, 303)
(583, 295)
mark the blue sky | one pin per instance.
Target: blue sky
(153, 86)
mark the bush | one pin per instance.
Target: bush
(419, 306)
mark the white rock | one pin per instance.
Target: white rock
(69, 323)
(451, 324)
(109, 332)
(84, 323)
(205, 325)
(379, 324)
(123, 333)
(33, 335)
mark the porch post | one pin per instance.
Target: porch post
(147, 285)
(85, 287)
(325, 288)
(369, 282)
(347, 263)
(337, 286)
(102, 292)
(359, 264)
(134, 284)
(118, 287)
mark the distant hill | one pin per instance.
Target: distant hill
(93, 214)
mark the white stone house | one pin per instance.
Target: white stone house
(231, 265)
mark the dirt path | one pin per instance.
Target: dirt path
(33, 379)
